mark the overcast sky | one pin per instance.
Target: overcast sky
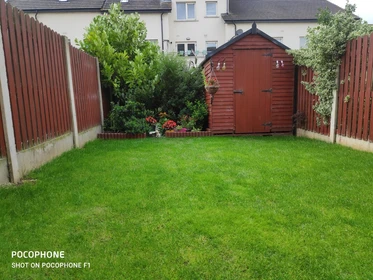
(364, 8)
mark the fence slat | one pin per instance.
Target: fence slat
(39, 78)
(351, 90)
(369, 96)
(5, 11)
(355, 100)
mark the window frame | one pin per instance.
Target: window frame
(216, 8)
(186, 48)
(186, 4)
(211, 42)
(300, 42)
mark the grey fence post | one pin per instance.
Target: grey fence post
(100, 93)
(334, 113)
(6, 111)
(70, 88)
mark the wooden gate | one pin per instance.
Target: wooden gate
(252, 91)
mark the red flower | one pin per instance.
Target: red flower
(151, 120)
(169, 125)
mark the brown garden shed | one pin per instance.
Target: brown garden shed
(256, 85)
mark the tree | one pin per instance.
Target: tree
(326, 45)
(128, 62)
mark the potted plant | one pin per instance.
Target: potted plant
(212, 86)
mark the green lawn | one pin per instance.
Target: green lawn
(195, 208)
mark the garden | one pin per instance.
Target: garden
(195, 208)
(148, 90)
(221, 207)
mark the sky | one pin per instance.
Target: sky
(364, 8)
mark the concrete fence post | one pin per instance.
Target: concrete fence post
(6, 111)
(100, 94)
(70, 88)
(334, 113)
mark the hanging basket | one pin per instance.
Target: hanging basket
(212, 89)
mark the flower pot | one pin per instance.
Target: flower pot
(212, 89)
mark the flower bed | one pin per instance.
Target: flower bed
(172, 134)
(113, 135)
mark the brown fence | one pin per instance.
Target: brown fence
(38, 94)
(37, 79)
(354, 96)
(306, 101)
(355, 113)
(84, 72)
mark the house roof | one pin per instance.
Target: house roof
(253, 31)
(141, 5)
(55, 5)
(90, 5)
(276, 10)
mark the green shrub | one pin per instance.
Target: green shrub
(128, 118)
(178, 84)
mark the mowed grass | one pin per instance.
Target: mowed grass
(196, 208)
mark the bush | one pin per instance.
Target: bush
(178, 85)
(130, 118)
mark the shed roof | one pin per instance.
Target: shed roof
(277, 10)
(253, 31)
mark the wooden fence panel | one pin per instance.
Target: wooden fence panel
(355, 94)
(306, 102)
(86, 91)
(36, 73)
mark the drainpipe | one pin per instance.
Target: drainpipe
(36, 15)
(235, 29)
(227, 6)
(162, 32)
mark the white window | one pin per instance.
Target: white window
(186, 49)
(211, 9)
(185, 11)
(302, 42)
(280, 39)
(211, 46)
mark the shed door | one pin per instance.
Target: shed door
(252, 91)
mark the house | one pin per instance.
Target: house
(188, 27)
(72, 17)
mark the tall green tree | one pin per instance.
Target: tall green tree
(128, 63)
(326, 45)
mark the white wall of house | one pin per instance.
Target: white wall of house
(200, 30)
(290, 32)
(74, 24)
(71, 25)
(153, 26)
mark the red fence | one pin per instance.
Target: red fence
(306, 101)
(355, 112)
(355, 93)
(35, 59)
(84, 72)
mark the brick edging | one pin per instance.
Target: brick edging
(188, 134)
(115, 135)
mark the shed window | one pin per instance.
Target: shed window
(185, 11)
(211, 9)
